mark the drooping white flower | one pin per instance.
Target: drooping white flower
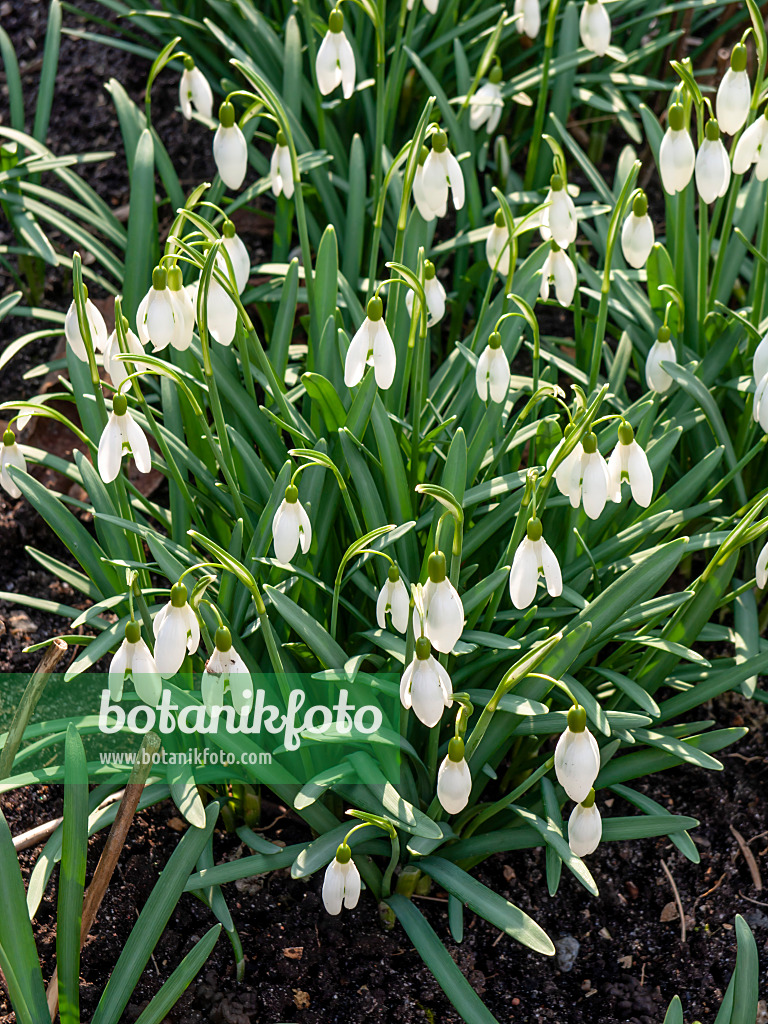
(713, 168)
(230, 150)
(734, 94)
(96, 324)
(226, 672)
(431, 5)
(419, 195)
(194, 91)
(443, 610)
(393, 598)
(115, 367)
(291, 526)
(487, 105)
(492, 373)
(335, 63)
(558, 220)
(760, 360)
(760, 404)
(761, 567)
(442, 174)
(595, 27)
(532, 558)
(752, 148)
(238, 255)
(530, 22)
(589, 482)
(662, 351)
(122, 434)
(157, 318)
(564, 471)
(577, 756)
(341, 884)
(280, 169)
(10, 455)
(677, 156)
(558, 268)
(629, 462)
(498, 245)
(637, 234)
(221, 312)
(372, 345)
(585, 827)
(434, 294)
(425, 685)
(177, 632)
(134, 659)
(454, 782)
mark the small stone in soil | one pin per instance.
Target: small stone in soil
(567, 949)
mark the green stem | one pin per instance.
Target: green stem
(758, 291)
(541, 102)
(386, 882)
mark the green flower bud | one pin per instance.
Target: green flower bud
(175, 279)
(712, 130)
(9, 437)
(626, 433)
(439, 141)
(394, 574)
(429, 270)
(739, 57)
(494, 340)
(676, 117)
(228, 228)
(640, 205)
(556, 183)
(336, 22)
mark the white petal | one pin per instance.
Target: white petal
(565, 277)
(110, 450)
(482, 371)
(551, 569)
(117, 670)
(384, 358)
(161, 317)
(657, 378)
(333, 887)
(382, 605)
(595, 27)
(327, 70)
(230, 151)
(275, 177)
(286, 170)
(405, 683)
(499, 375)
(400, 606)
(734, 95)
(285, 531)
(73, 334)
(637, 238)
(346, 58)
(761, 567)
(426, 694)
(445, 617)
(640, 475)
(241, 261)
(221, 313)
(434, 181)
(677, 159)
(146, 679)
(524, 575)
(585, 830)
(456, 178)
(10, 455)
(577, 763)
(351, 885)
(305, 528)
(202, 97)
(171, 643)
(137, 439)
(454, 784)
(562, 219)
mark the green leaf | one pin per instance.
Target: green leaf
(314, 635)
(172, 989)
(141, 247)
(48, 73)
(72, 877)
(554, 838)
(323, 393)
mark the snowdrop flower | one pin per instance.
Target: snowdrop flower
(454, 782)
(95, 322)
(425, 685)
(194, 91)
(558, 220)
(238, 255)
(577, 756)
(585, 827)
(486, 106)
(530, 22)
(393, 598)
(589, 483)
(752, 148)
(492, 373)
(564, 472)
(761, 568)
(441, 175)
(533, 557)
(662, 350)
(230, 150)
(498, 245)
(122, 434)
(10, 456)
(637, 235)
(558, 268)
(443, 610)
(134, 658)
(157, 318)
(335, 64)
(291, 526)
(734, 94)
(713, 168)
(595, 27)
(115, 367)
(760, 404)
(372, 345)
(177, 632)
(434, 294)
(225, 672)
(760, 360)
(280, 170)
(419, 195)
(341, 885)
(629, 462)
(431, 5)
(677, 156)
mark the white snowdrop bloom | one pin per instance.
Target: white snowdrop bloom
(226, 672)
(629, 462)
(238, 255)
(443, 610)
(677, 156)
(419, 195)
(194, 91)
(280, 169)
(431, 5)
(184, 310)
(637, 234)
(533, 557)
(335, 63)
(341, 884)
(498, 245)
(291, 526)
(122, 434)
(454, 782)
(734, 94)
(761, 567)
(760, 360)
(577, 756)
(115, 367)
(752, 148)
(134, 659)
(441, 175)
(595, 27)
(713, 168)
(434, 294)
(487, 105)
(558, 268)
(372, 345)
(393, 598)
(760, 404)
(10, 455)
(96, 324)
(590, 482)
(564, 472)
(585, 827)
(558, 220)
(662, 351)
(177, 632)
(425, 685)
(220, 311)
(230, 150)
(492, 373)
(530, 22)
(157, 315)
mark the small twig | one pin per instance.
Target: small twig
(749, 857)
(28, 703)
(717, 885)
(678, 901)
(35, 836)
(760, 903)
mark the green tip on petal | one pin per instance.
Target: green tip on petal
(394, 574)
(439, 141)
(556, 183)
(436, 566)
(589, 444)
(291, 494)
(577, 718)
(664, 334)
(676, 117)
(228, 229)
(175, 279)
(223, 639)
(456, 749)
(375, 308)
(626, 433)
(119, 404)
(336, 22)
(226, 114)
(178, 595)
(344, 854)
(712, 130)
(423, 648)
(159, 279)
(640, 205)
(533, 528)
(429, 270)
(494, 340)
(9, 437)
(132, 632)
(739, 57)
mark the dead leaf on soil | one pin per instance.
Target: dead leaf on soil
(669, 913)
(293, 952)
(301, 999)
